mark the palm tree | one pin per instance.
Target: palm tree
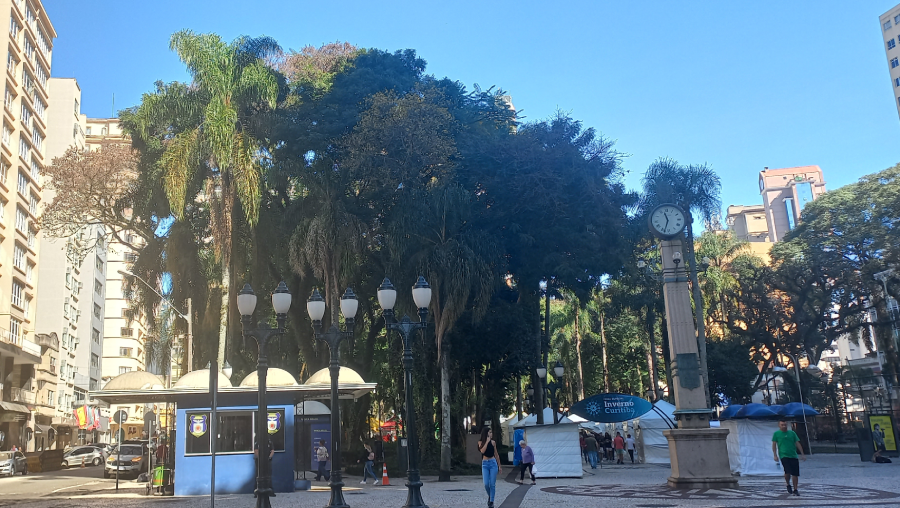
(210, 155)
(437, 236)
(696, 189)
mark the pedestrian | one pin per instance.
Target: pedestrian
(619, 445)
(490, 463)
(369, 458)
(527, 462)
(591, 444)
(785, 446)
(584, 454)
(322, 458)
(607, 446)
(629, 446)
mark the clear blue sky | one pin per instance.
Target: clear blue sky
(736, 85)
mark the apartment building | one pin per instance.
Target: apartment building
(28, 50)
(71, 289)
(890, 31)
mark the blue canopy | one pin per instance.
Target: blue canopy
(756, 412)
(730, 411)
(797, 410)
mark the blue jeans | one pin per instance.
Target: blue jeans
(489, 474)
(368, 471)
(592, 458)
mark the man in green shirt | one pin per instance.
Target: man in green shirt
(786, 446)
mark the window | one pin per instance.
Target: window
(77, 106)
(98, 287)
(128, 314)
(26, 306)
(11, 64)
(26, 114)
(897, 19)
(19, 257)
(21, 220)
(126, 332)
(29, 272)
(235, 430)
(98, 311)
(31, 238)
(130, 257)
(65, 338)
(24, 148)
(123, 370)
(13, 27)
(22, 184)
(40, 108)
(49, 397)
(98, 263)
(894, 62)
(87, 130)
(95, 335)
(891, 43)
(29, 16)
(4, 171)
(8, 99)
(887, 24)
(17, 293)
(15, 328)
(125, 351)
(29, 49)
(95, 361)
(897, 82)
(35, 169)
(103, 131)
(3, 211)
(32, 204)
(66, 308)
(38, 139)
(6, 133)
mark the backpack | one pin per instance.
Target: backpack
(882, 460)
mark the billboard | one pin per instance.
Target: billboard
(611, 407)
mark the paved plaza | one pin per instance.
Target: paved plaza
(827, 480)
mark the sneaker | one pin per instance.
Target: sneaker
(377, 482)
(519, 482)
(362, 482)
(790, 489)
(796, 492)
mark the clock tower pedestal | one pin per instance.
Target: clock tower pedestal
(698, 453)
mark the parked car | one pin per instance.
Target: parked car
(104, 449)
(131, 460)
(12, 463)
(87, 455)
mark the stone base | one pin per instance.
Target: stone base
(699, 459)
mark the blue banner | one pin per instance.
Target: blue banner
(611, 407)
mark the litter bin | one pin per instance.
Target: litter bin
(161, 478)
(866, 446)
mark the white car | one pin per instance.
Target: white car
(12, 463)
(87, 455)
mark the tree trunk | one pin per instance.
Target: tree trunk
(698, 311)
(223, 317)
(603, 349)
(519, 397)
(445, 417)
(579, 381)
(654, 372)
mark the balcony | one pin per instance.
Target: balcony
(26, 349)
(49, 340)
(21, 395)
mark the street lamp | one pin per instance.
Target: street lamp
(246, 303)
(811, 369)
(553, 386)
(387, 297)
(186, 317)
(315, 306)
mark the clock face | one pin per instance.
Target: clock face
(667, 220)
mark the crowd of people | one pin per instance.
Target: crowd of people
(597, 447)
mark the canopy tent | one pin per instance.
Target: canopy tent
(797, 410)
(652, 446)
(755, 411)
(730, 411)
(557, 451)
(506, 428)
(750, 447)
(548, 419)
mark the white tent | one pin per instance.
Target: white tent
(506, 429)
(548, 419)
(557, 451)
(750, 447)
(652, 446)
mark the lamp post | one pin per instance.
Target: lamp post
(315, 306)
(553, 386)
(246, 302)
(811, 369)
(387, 297)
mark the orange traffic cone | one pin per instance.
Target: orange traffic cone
(384, 477)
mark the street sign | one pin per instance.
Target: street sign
(120, 416)
(611, 407)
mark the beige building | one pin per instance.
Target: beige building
(890, 32)
(22, 157)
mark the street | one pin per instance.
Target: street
(65, 483)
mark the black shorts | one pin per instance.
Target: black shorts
(791, 466)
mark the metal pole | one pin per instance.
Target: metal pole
(336, 484)
(118, 450)
(190, 337)
(800, 391)
(213, 426)
(263, 480)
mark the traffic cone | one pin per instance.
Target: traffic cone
(384, 477)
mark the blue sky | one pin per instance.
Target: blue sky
(737, 85)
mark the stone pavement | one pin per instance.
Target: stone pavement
(826, 480)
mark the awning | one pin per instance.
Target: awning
(12, 406)
(43, 429)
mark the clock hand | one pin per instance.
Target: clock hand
(667, 220)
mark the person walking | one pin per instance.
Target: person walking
(490, 463)
(527, 462)
(629, 446)
(607, 446)
(785, 447)
(584, 454)
(619, 445)
(322, 458)
(369, 458)
(590, 443)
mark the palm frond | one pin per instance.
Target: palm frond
(180, 161)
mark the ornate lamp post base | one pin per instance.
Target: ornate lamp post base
(699, 459)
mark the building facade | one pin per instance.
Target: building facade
(890, 32)
(785, 192)
(29, 52)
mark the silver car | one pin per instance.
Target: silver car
(83, 455)
(131, 460)
(12, 463)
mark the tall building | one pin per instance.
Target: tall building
(890, 31)
(28, 56)
(785, 192)
(71, 288)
